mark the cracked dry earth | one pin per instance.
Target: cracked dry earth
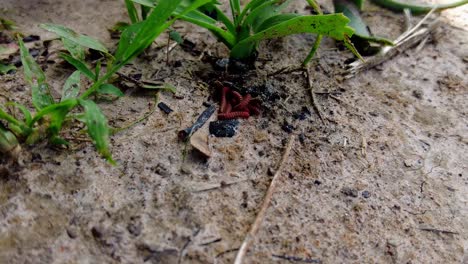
(383, 179)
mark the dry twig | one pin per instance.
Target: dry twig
(266, 202)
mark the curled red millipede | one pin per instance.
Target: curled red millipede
(233, 115)
(237, 96)
(254, 109)
(228, 108)
(223, 99)
(243, 103)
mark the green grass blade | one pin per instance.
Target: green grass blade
(147, 3)
(71, 89)
(76, 51)
(263, 12)
(79, 65)
(138, 37)
(235, 9)
(98, 129)
(334, 26)
(79, 39)
(36, 78)
(132, 11)
(26, 113)
(198, 18)
(220, 16)
(9, 118)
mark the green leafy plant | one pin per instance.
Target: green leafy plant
(363, 40)
(417, 9)
(51, 114)
(259, 20)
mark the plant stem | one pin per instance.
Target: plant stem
(313, 50)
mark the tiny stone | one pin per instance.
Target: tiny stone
(317, 182)
(71, 232)
(366, 194)
(97, 232)
(418, 94)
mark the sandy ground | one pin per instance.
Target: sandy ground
(383, 179)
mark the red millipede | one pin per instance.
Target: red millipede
(233, 115)
(223, 99)
(243, 103)
(228, 108)
(237, 96)
(253, 109)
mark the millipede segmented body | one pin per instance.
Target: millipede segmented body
(233, 115)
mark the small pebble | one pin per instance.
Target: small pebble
(71, 232)
(366, 194)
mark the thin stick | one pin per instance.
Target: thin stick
(312, 94)
(266, 202)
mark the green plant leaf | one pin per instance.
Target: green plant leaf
(164, 86)
(76, 51)
(10, 119)
(57, 117)
(333, 25)
(71, 89)
(5, 68)
(174, 35)
(416, 9)
(132, 11)
(263, 12)
(275, 20)
(35, 77)
(147, 3)
(110, 89)
(8, 141)
(351, 11)
(79, 65)
(202, 20)
(26, 113)
(79, 39)
(98, 129)
(6, 24)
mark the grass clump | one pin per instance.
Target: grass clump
(258, 20)
(50, 114)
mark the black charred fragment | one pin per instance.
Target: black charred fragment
(303, 114)
(31, 38)
(165, 108)
(288, 128)
(186, 133)
(224, 128)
